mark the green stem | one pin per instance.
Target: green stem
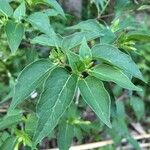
(104, 8)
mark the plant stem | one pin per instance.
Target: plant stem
(104, 8)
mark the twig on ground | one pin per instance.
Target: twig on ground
(3, 110)
(108, 142)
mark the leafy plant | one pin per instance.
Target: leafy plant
(77, 63)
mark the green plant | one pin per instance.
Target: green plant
(77, 64)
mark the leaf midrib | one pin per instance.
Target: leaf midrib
(52, 67)
(94, 98)
(53, 107)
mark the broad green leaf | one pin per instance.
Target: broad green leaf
(30, 124)
(138, 36)
(114, 56)
(9, 144)
(28, 80)
(57, 95)
(108, 38)
(5, 8)
(122, 5)
(138, 107)
(65, 136)
(95, 95)
(15, 33)
(88, 25)
(20, 11)
(106, 72)
(3, 136)
(75, 62)
(41, 21)
(10, 119)
(56, 6)
(75, 39)
(85, 51)
(47, 40)
(51, 12)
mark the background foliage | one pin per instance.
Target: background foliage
(38, 36)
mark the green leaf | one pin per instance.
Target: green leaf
(3, 136)
(85, 51)
(123, 23)
(20, 11)
(65, 136)
(95, 95)
(10, 119)
(56, 97)
(120, 127)
(41, 21)
(23, 137)
(9, 144)
(75, 62)
(30, 124)
(51, 12)
(88, 25)
(56, 6)
(47, 40)
(106, 72)
(28, 80)
(138, 36)
(5, 8)
(108, 38)
(75, 39)
(133, 142)
(114, 56)
(122, 5)
(15, 33)
(138, 107)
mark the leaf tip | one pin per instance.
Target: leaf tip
(108, 123)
